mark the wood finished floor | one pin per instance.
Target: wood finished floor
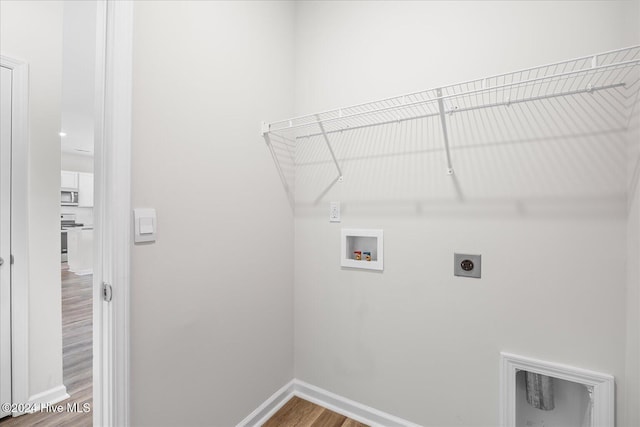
(298, 412)
(77, 356)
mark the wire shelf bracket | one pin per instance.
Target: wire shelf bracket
(445, 134)
(339, 178)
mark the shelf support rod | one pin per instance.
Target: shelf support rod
(333, 155)
(444, 131)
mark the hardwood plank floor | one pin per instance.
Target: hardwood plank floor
(298, 412)
(77, 356)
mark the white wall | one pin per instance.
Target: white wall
(76, 162)
(548, 216)
(633, 297)
(78, 81)
(632, 412)
(212, 316)
(32, 31)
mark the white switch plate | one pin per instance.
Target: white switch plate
(334, 212)
(144, 225)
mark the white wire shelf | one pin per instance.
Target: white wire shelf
(580, 83)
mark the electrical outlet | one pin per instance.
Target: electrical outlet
(334, 212)
(467, 265)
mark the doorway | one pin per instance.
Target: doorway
(111, 276)
(76, 171)
(24, 403)
(110, 356)
(47, 334)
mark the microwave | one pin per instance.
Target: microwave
(68, 198)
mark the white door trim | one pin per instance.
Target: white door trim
(603, 410)
(19, 229)
(113, 209)
(6, 87)
(101, 388)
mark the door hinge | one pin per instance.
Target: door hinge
(107, 292)
(11, 259)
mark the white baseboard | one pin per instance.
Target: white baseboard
(342, 405)
(270, 406)
(48, 397)
(347, 407)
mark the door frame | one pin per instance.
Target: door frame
(19, 228)
(112, 168)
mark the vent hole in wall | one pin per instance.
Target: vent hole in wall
(551, 402)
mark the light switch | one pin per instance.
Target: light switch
(146, 225)
(144, 221)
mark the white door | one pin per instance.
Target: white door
(5, 238)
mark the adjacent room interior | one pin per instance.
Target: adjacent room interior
(61, 289)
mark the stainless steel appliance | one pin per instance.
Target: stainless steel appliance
(68, 198)
(63, 241)
(66, 221)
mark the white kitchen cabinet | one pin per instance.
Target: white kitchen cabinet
(68, 180)
(80, 251)
(85, 190)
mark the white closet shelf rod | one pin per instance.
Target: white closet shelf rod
(471, 81)
(580, 58)
(593, 70)
(464, 109)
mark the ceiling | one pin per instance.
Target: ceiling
(78, 84)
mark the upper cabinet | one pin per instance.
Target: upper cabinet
(85, 190)
(68, 180)
(82, 183)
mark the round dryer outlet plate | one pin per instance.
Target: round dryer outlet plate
(466, 265)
